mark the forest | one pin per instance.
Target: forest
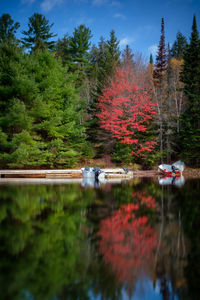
(66, 103)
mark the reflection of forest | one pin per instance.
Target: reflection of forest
(40, 236)
(145, 238)
(171, 253)
(67, 242)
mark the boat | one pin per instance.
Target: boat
(172, 170)
(93, 172)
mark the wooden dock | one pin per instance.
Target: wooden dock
(61, 174)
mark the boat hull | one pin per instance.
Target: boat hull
(175, 169)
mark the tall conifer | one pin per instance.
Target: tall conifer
(159, 75)
(151, 59)
(190, 119)
(161, 58)
(179, 46)
(38, 35)
(7, 27)
(127, 58)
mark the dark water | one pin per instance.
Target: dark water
(135, 240)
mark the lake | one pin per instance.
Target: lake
(136, 239)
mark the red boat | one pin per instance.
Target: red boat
(175, 169)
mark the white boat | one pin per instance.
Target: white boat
(174, 169)
(88, 172)
(93, 172)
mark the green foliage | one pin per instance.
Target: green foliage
(7, 28)
(127, 58)
(151, 59)
(43, 240)
(103, 60)
(122, 154)
(43, 112)
(79, 44)
(161, 57)
(38, 35)
(51, 99)
(152, 159)
(190, 119)
(24, 151)
(63, 50)
(179, 46)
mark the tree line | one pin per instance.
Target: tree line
(65, 101)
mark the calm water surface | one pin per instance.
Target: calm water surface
(130, 240)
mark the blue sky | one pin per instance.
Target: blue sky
(135, 22)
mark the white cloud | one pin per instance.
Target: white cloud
(47, 5)
(120, 16)
(126, 41)
(153, 49)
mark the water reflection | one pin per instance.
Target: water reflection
(120, 241)
(88, 182)
(177, 181)
(128, 241)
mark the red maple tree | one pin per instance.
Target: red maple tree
(128, 241)
(126, 110)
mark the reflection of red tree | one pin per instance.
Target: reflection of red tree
(128, 242)
(149, 201)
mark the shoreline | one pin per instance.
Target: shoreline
(76, 173)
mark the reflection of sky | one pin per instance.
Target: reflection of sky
(144, 290)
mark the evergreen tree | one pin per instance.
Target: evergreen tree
(113, 54)
(80, 43)
(62, 49)
(104, 61)
(159, 73)
(190, 119)
(169, 107)
(127, 58)
(38, 36)
(79, 46)
(99, 60)
(151, 59)
(161, 58)
(7, 28)
(179, 46)
(41, 113)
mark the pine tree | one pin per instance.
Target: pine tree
(7, 28)
(41, 112)
(190, 119)
(80, 43)
(169, 107)
(62, 49)
(179, 46)
(159, 74)
(151, 59)
(38, 36)
(113, 53)
(161, 58)
(79, 46)
(104, 61)
(127, 58)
